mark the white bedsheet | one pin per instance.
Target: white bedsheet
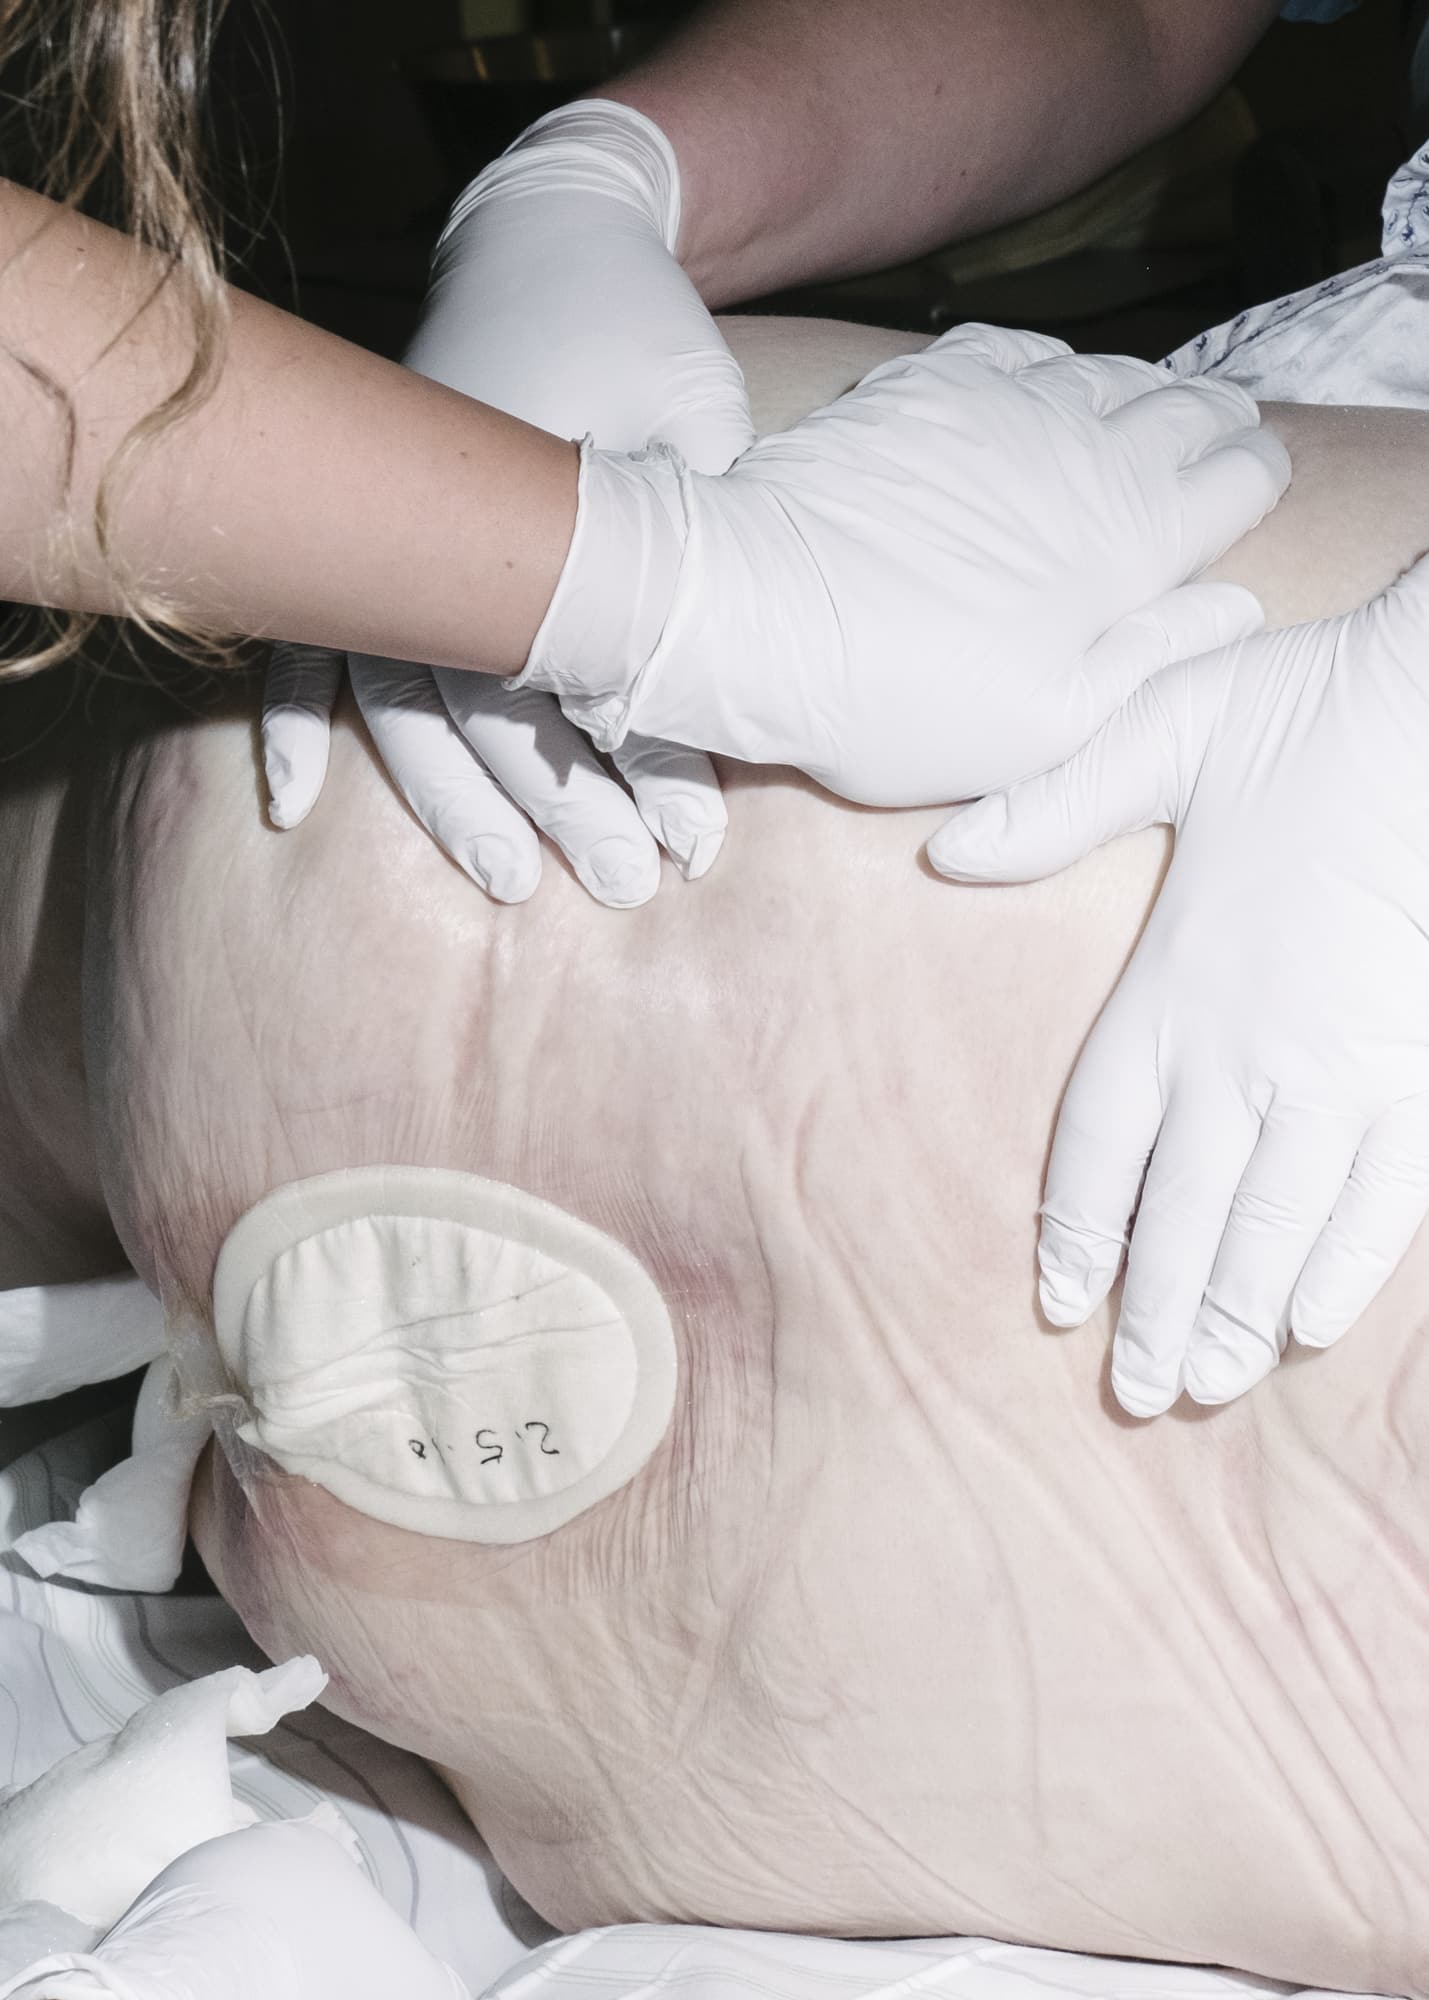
(76, 1661)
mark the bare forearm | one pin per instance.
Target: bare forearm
(321, 493)
(821, 137)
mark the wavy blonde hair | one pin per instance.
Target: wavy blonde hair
(103, 107)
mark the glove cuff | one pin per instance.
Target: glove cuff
(617, 587)
(594, 146)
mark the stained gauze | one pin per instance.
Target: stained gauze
(443, 1352)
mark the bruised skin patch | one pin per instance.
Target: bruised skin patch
(442, 1352)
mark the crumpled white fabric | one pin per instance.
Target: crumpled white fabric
(275, 1912)
(76, 1662)
(129, 1530)
(54, 1338)
(96, 1828)
(1359, 337)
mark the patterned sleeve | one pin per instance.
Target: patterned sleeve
(1317, 10)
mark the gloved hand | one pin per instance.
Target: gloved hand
(555, 296)
(927, 589)
(1268, 1046)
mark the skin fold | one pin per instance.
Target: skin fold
(905, 1628)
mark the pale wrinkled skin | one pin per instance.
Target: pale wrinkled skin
(905, 1628)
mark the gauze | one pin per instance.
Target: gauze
(443, 1352)
(276, 1912)
(86, 1835)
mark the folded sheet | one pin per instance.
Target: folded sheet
(276, 1912)
(129, 1530)
(686, 1962)
(96, 1828)
(54, 1338)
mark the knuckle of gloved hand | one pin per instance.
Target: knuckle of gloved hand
(1239, 408)
(1187, 403)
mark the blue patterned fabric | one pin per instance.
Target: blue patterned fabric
(1359, 337)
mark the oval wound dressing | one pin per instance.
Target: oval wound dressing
(442, 1352)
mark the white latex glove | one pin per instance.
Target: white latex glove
(277, 1912)
(923, 590)
(1268, 1047)
(555, 296)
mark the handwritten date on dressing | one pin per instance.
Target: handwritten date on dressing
(489, 1444)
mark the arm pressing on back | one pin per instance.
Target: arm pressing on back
(817, 138)
(321, 492)
(332, 496)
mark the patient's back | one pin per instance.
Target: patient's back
(903, 1628)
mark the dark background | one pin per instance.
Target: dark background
(357, 121)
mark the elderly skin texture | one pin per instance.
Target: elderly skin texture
(905, 1628)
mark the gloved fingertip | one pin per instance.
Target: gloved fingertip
(1064, 1301)
(1140, 1398)
(701, 854)
(1220, 1377)
(1145, 1377)
(1314, 1331)
(1226, 1357)
(961, 847)
(296, 742)
(618, 873)
(690, 829)
(502, 871)
(1077, 1270)
(290, 804)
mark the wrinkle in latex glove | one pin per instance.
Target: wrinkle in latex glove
(1257, 1088)
(555, 296)
(942, 582)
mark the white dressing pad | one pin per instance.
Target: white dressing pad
(443, 1352)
